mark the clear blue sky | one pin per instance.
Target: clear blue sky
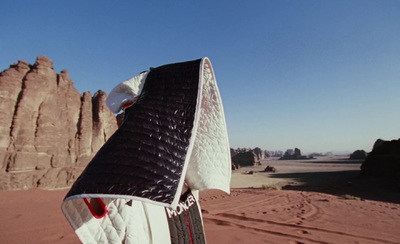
(317, 75)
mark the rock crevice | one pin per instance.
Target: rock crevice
(48, 130)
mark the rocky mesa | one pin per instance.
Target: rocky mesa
(48, 130)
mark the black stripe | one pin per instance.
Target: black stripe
(177, 221)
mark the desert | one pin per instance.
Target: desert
(319, 199)
(283, 114)
(306, 201)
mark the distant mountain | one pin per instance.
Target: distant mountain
(48, 130)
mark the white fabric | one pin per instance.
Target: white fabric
(207, 166)
(137, 223)
(109, 229)
(125, 92)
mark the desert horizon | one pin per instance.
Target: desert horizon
(145, 97)
(305, 201)
(318, 200)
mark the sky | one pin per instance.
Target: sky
(322, 76)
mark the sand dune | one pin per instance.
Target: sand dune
(250, 214)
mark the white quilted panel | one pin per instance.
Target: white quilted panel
(109, 229)
(139, 223)
(210, 162)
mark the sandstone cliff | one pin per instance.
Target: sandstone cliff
(48, 130)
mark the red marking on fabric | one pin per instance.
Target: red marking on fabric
(127, 105)
(190, 232)
(102, 205)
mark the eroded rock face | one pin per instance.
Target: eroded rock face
(85, 130)
(104, 121)
(383, 160)
(10, 88)
(260, 153)
(48, 130)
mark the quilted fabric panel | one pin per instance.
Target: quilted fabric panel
(145, 157)
(109, 229)
(176, 124)
(210, 161)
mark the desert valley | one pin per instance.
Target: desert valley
(321, 201)
(47, 140)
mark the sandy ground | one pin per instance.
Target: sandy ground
(321, 201)
(295, 172)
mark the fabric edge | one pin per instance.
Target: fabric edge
(225, 125)
(113, 196)
(175, 202)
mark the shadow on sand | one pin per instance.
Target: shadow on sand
(337, 161)
(341, 183)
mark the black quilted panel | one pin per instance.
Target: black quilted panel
(145, 156)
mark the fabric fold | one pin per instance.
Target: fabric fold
(173, 137)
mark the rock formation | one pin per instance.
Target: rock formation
(383, 160)
(261, 154)
(358, 155)
(245, 159)
(239, 150)
(48, 130)
(270, 168)
(293, 155)
(273, 153)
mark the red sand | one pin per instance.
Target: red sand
(270, 216)
(247, 215)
